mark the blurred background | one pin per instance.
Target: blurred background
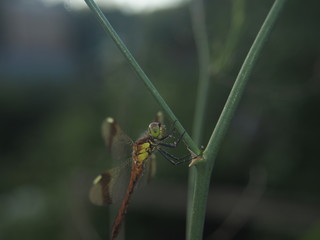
(61, 75)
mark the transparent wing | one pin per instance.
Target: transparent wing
(116, 141)
(159, 117)
(110, 186)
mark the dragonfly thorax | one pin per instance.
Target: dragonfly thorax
(142, 149)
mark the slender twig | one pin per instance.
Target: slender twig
(204, 169)
(124, 50)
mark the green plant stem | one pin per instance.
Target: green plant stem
(201, 40)
(124, 50)
(204, 169)
(224, 60)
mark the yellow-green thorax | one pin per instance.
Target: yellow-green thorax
(141, 150)
(144, 147)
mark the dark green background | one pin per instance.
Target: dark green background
(61, 75)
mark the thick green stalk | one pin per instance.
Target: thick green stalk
(204, 169)
(124, 50)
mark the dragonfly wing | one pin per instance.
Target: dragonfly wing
(159, 117)
(116, 141)
(150, 168)
(110, 186)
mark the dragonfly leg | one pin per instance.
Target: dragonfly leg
(173, 159)
(172, 129)
(172, 145)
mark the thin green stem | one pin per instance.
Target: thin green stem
(204, 169)
(224, 60)
(124, 50)
(201, 40)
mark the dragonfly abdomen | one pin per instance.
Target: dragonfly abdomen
(136, 173)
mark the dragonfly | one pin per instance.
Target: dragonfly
(109, 186)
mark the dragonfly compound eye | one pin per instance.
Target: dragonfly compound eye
(154, 129)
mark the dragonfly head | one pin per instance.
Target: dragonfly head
(155, 130)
